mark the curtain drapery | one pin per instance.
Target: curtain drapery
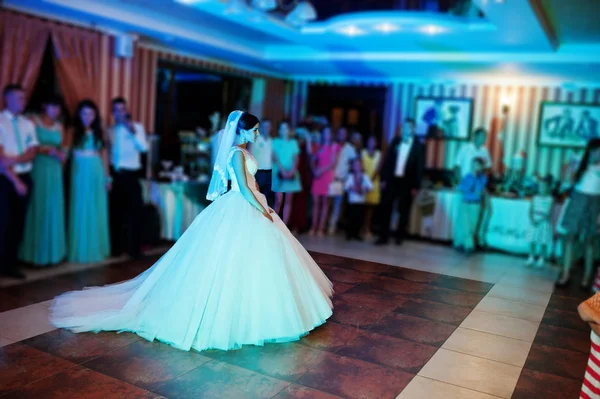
(23, 40)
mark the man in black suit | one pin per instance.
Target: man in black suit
(401, 176)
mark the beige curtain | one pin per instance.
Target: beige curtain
(23, 40)
(77, 61)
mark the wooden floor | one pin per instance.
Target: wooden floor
(395, 332)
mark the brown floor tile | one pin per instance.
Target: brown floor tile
(43, 290)
(534, 385)
(21, 365)
(217, 380)
(565, 319)
(565, 338)
(78, 383)
(355, 315)
(287, 362)
(330, 260)
(561, 362)
(340, 288)
(414, 329)
(450, 297)
(370, 267)
(9, 302)
(389, 351)
(364, 296)
(394, 285)
(79, 348)
(346, 275)
(434, 311)
(461, 284)
(355, 379)
(412, 275)
(330, 336)
(563, 303)
(146, 364)
(299, 392)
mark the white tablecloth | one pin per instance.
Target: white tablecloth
(176, 210)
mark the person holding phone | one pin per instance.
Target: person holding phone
(127, 140)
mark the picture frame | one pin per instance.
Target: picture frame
(567, 125)
(448, 118)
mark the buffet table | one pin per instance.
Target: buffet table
(178, 203)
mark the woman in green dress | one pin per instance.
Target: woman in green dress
(90, 181)
(44, 241)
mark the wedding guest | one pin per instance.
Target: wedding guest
(579, 219)
(300, 211)
(18, 148)
(342, 168)
(401, 177)
(44, 241)
(323, 167)
(540, 216)
(472, 189)
(262, 151)
(286, 179)
(471, 150)
(357, 185)
(127, 142)
(371, 161)
(88, 235)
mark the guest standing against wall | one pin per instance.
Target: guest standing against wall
(18, 148)
(262, 151)
(127, 140)
(342, 169)
(88, 236)
(323, 167)
(286, 179)
(401, 177)
(371, 160)
(471, 150)
(300, 212)
(44, 241)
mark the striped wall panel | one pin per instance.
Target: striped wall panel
(517, 132)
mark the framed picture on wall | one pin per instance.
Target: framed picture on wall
(567, 125)
(444, 117)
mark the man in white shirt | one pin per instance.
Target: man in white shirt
(262, 151)
(347, 153)
(469, 151)
(127, 142)
(401, 178)
(18, 147)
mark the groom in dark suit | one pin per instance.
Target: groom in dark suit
(401, 176)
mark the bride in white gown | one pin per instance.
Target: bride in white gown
(237, 276)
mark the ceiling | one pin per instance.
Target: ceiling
(524, 39)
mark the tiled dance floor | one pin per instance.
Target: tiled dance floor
(395, 332)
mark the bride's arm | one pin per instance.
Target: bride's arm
(240, 174)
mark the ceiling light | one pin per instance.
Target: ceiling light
(265, 5)
(351, 30)
(386, 28)
(431, 29)
(301, 14)
(236, 7)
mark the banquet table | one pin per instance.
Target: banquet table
(178, 203)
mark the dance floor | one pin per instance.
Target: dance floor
(395, 332)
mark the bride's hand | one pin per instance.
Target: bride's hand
(268, 216)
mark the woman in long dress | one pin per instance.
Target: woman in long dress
(44, 240)
(237, 275)
(88, 235)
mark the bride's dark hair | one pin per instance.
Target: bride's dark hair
(247, 121)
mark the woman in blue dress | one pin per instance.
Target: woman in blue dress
(90, 181)
(44, 240)
(286, 179)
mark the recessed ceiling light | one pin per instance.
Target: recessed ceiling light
(431, 29)
(386, 27)
(351, 30)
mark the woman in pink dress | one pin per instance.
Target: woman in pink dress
(323, 169)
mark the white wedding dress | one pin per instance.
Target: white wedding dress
(233, 278)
